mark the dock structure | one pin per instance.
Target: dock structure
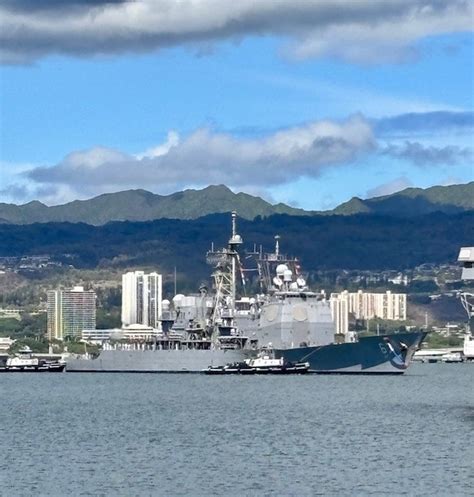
(435, 355)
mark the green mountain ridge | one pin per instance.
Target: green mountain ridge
(414, 201)
(142, 205)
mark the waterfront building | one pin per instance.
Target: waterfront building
(70, 312)
(141, 299)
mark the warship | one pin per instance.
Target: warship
(285, 316)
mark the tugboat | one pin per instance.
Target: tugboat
(24, 362)
(263, 364)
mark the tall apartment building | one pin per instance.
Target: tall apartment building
(340, 311)
(388, 305)
(70, 312)
(141, 299)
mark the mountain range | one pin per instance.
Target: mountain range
(141, 205)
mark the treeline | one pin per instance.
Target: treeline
(366, 242)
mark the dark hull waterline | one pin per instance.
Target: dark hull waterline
(385, 354)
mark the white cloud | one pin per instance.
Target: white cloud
(362, 31)
(84, 160)
(172, 140)
(268, 165)
(206, 157)
(389, 38)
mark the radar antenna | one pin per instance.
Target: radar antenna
(268, 262)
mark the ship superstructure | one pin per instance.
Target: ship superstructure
(289, 314)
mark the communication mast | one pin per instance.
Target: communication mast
(226, 261)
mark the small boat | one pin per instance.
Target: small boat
(452, 357)
(263, 364)
(25, 362)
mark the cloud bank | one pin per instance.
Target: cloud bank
(422, 155)
(362, 31)
(278, 158)
(206, 157)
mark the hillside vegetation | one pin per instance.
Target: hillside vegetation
(140, 205)
(322, 242)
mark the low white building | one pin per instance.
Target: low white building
(10, 314)
(6, 343)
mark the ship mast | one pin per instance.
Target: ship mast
(226, 262)
(234, 242)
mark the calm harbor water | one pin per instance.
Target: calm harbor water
(193, 435)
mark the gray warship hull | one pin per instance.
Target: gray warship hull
(154, 361)
(385, 354)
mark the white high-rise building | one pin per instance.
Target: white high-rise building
(70, 312)
(340, 311)
(141, 299)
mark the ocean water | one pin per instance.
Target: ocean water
(194, 435)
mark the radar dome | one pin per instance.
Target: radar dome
(281, 268)
(177, 299)
(294, 287)
(165, 304)
(236, 239)
(287, 275)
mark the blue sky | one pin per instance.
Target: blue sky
(310, 113)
